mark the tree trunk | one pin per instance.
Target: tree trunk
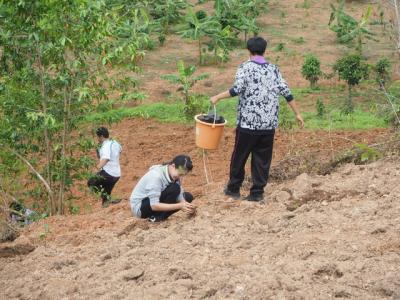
(46, 133)
(350, 107)
(397, 13)
(359, 44)
(60, 208)
(200, 57)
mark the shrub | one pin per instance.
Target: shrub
(311, 69)
(382, 70)
(321, 110)
(352, 69)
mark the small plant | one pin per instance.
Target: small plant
(311, 70)
(382, 17)
(201, 14)
(279, 47)
(162, 38)
(366, 154)
(43, 235)
(382, 70)
(352, 69)
(306, 4)
(299, 40)
(73, 209)
(321, 110)
(198, 27)
(195, 105)
(186, 81)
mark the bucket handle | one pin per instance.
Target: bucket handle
(215, 114)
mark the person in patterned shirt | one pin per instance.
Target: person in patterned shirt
(258, 84)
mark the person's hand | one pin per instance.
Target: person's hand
(188, 208)
(214, 100)
(300, 121)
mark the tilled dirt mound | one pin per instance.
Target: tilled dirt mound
(315, 237)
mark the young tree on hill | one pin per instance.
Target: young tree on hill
(197, 28)
(348, 29)
(311, 69)
(352, 69)
(186, 81)
(382, 70)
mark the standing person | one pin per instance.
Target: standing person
(258, 84)
(109, 170)
(159, 193)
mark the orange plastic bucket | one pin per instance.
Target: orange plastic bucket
(208, 135)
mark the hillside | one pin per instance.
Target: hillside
(327, 228)
(341, 242)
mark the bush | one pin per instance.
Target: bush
(382, 70)
(353, 69)
(321, 110)
(311, 69)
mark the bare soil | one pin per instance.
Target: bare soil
(313, 237)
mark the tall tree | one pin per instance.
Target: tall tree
(396, 4)
(54, 61)
(353, 70)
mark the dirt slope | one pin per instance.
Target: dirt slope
(341, 241)
(335, 236)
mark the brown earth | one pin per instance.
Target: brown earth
(315, 237)
(286, 22)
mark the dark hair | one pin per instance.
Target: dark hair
(257, 45)
(183, 161)
(102, 131)
(16, 208)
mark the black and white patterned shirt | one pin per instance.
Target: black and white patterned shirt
(259, 86)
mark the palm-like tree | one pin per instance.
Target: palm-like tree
(360, 32)
(184, 78)
(197, 28)
(348, 29)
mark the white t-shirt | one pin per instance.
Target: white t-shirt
(110, 150)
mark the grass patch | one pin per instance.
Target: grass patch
(173, 113)
(335, 120)
(170, 113)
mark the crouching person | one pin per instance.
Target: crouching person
(159, 193)
(109, 169)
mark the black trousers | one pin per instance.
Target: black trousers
(260, 147)
(170, 196)
(103, 183)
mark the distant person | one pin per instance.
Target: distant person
(109, 170)
(258, 84)
(19, 214)
(159, 193)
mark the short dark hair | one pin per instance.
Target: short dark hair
(183, 161)
(102, 131)
(257, 45)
